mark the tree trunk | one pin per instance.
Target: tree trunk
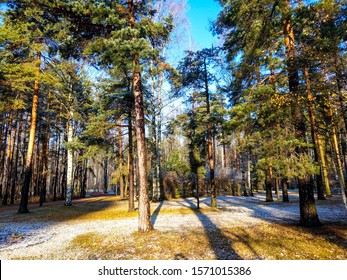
(337, 154)
(308, 211)
(131, 206)
(56, 173)
(144, 205)
(69, 174)
(209, 142)
(120, 156)
(105, 173)
(268, 185)
(308, 216)
(23, 206)
(285, 196)
(15, 168)
(9, 155)
(316, 141)
(45, 146)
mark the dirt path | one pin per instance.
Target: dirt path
(42, 239)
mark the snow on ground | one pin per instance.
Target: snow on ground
(41, 239)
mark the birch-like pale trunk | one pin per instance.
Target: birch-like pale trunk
(69, 173)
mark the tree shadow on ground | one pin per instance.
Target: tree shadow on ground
(288, 216)
(15, 227)
(155, 214)
(220, 244)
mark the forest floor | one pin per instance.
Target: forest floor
(241, 228)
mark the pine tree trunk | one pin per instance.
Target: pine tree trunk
(316, 140)
(9, 158)
(158, 143)
(45, 145)
(249, 178)
(105, 169)
(339, 79)
(337, 154)
(209, 142)
(23, 206)
(285, 196)
(308, 211)
(144, 205)
(15, 168)
(308, 216)
(268, 185)
(131, 206)
(56, 173)
(120, 156)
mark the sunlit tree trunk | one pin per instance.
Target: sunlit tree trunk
(23, 206)
(145, 223)
(337, 153)
(318, 148)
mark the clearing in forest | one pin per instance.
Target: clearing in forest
(241, 228)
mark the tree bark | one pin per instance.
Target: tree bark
(120, 156)
(209, 142)
(317, 145)
(308, 213)
(285, 196)
(69, 173)
(145, 223)
(15, 168)
(23, 206)
(131, 206)
(337, 154)
(268, 185)
(45, 146)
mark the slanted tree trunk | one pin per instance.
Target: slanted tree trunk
(28, 168)
(317, 145)
(337, 153)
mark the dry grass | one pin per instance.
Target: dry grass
(267, 241)
(103, 208)
(261, 241)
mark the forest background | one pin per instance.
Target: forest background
(90, 94)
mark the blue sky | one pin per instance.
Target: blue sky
(200, 14)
